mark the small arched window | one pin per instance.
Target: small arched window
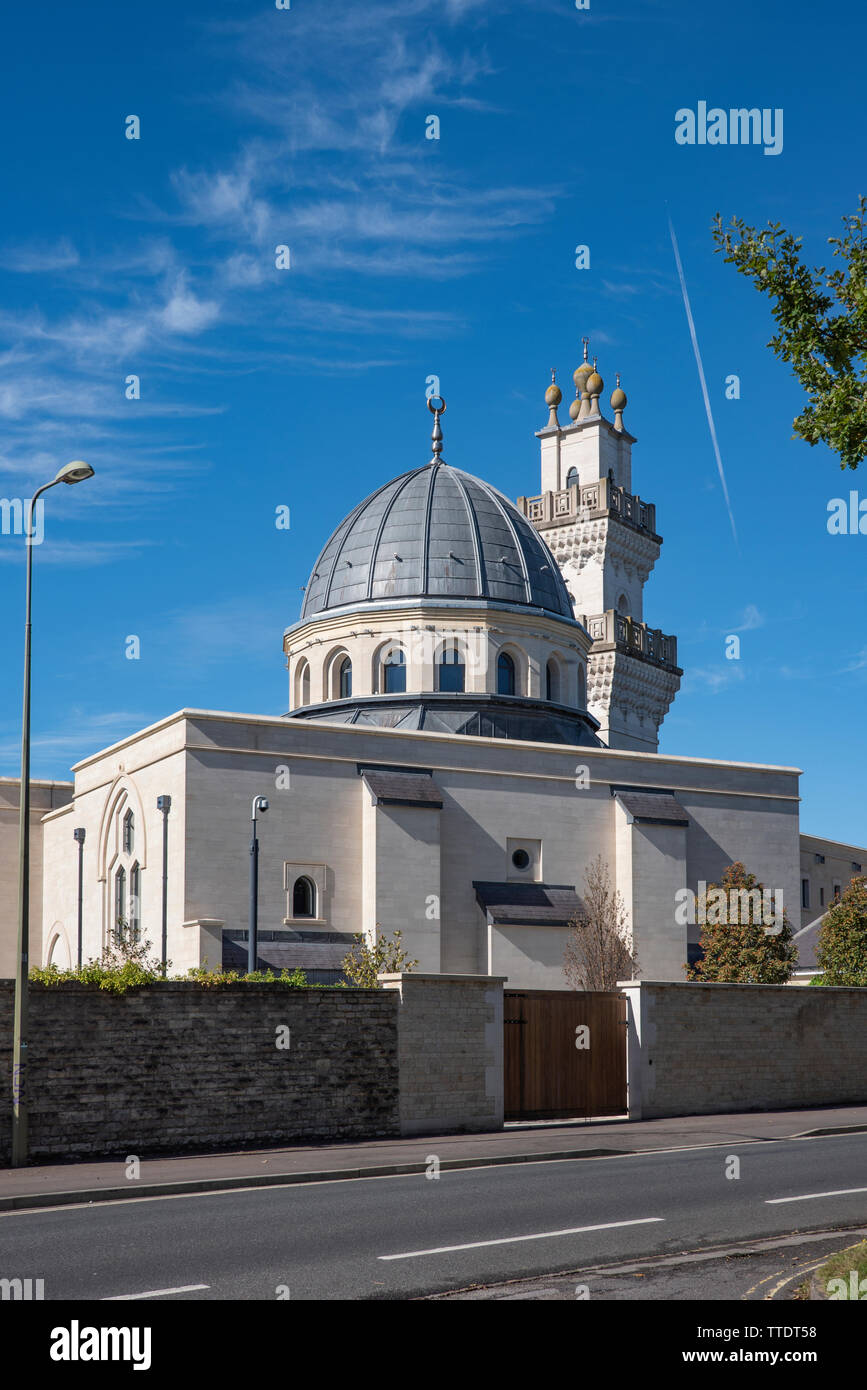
(128, 832)
(135, 901)
(552, 682)
(623, 605)
(394, 672)
(302, 682)
(119, 897)
(505, 674)
(344, 682)
(582, 688)
(572, 477)
(303, 898)
(450, 669)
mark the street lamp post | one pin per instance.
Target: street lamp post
(75, 472)
(164, 804)
(259, 804)
(80, 835)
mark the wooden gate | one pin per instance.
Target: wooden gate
(547, 1076)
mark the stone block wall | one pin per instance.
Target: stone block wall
(450, 1052)
(700, 1049)
(176, 1067)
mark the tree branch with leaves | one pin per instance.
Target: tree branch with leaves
(822, 323)
(599, 951)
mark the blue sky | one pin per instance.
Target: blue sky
(305, 388)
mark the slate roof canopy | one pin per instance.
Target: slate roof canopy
(398, 788)
(528, 904)
(651, 807)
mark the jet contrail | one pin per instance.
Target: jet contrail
(698, 361)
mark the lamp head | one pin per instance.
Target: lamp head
(164, 804)
(74, 472)
(79, 835)
(261, 803)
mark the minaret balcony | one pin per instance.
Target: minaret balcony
(587, 502)
(613, 631)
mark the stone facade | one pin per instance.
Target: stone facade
(405, 867)
(827, 868)
(450, 1051)
(605, 542)
(176, 1067)
(704, 1049)
(44, 798)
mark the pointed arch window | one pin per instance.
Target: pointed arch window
(135, 902)
(302, 682)
(505, 674)
(119, 898)
(128, 832)
(451, 671)
(552, 682)
(304, 898)
(394, 672)
(344, 680)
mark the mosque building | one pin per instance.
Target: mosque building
(475, 700)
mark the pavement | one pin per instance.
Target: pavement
(783, 1269)
(106, 1180)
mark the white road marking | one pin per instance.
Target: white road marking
(810, 1196)
(513, 1240)
(154, 1293)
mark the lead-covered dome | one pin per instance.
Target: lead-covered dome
(436, 532)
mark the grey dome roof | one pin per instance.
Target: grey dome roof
(436, 532)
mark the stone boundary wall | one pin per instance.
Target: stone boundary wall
(701, 1049)
(175, 1067)
(450, 1052)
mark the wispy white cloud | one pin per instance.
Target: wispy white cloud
(751, 620)
(858, 663)
(39, 258)
(715, 679)
(84, 733)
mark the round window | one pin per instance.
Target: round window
(521, 859)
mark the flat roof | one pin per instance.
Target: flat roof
(465, 740)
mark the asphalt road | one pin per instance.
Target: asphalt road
(405, 1236)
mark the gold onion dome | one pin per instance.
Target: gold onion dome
(595, 385)
(580, 375)
(618, 396)
(553, 396)
(575, 405)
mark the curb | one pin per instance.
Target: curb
(28, 1200)
(191, 1186)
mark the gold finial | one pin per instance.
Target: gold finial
(579, 376)
(618, 404)
(594, 387)
(436, 433)
(553, 397)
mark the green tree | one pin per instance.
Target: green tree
(841, 950)
(364, 962)
(737, 947)
(822, 322)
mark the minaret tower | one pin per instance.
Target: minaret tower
(604, 538)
